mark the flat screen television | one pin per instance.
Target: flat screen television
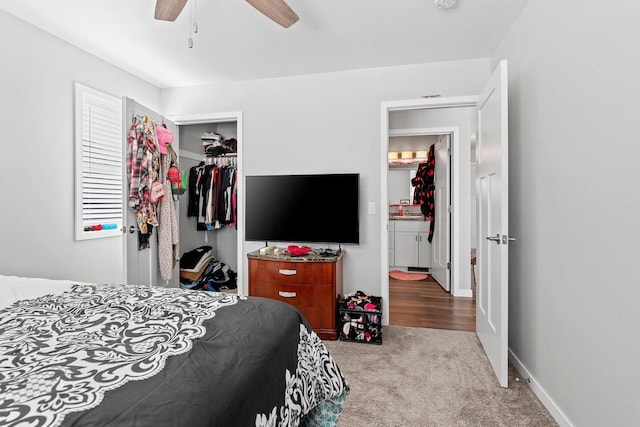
(320, 208)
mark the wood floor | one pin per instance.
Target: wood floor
(424, 304)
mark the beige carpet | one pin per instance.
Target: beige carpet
(430, 377)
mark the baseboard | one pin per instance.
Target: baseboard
(540, 392)
(468, 293)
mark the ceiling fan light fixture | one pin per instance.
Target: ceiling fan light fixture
(445, 4)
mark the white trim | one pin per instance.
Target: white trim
(458, 262)
(413, 104)
(384, 218)
(421, 131)
(540, 392)
(191, 119)
(80, 91)
(125, 192)
(464, 293)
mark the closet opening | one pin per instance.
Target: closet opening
(210, 223)
(222, 142)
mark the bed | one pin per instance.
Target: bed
(82, 354)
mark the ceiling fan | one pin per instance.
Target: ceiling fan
(276, 10)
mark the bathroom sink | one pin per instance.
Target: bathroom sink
(407, 217)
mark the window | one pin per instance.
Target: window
(98, 164)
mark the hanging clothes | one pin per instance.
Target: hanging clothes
(167, 224)
(212, 196)
(193, 193)
(424, 187)
(143, 164)
(223, 190)
(419, 185)
(234, 200)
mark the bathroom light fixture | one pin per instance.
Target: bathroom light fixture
(445, 4)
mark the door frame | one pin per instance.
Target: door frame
(195, 119)
(459, 261)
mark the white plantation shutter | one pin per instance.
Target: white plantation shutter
(99, 163)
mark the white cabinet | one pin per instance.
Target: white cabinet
(424, 250)
(406, 248)
(411, 247)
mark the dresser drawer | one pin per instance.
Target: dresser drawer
(313, 301)
(294, 273)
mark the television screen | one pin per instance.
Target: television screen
(302, 208)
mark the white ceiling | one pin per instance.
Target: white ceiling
(235, 42)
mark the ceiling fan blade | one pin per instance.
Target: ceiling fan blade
(168, 10)
(276, 10)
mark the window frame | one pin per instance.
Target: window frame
(87, 96)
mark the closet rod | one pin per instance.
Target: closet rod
(222, 155)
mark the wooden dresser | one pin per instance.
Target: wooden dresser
(312, 284)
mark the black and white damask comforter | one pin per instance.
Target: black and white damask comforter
(98, 355)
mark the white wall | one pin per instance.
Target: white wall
(575, 207)
(328, 123)
(37, 72)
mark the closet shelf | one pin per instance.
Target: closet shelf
(202, 156)
(222, 155)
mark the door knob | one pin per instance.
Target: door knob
(494, 239)
(132, 229)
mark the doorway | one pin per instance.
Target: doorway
(227, 242)
(423, 299)
(439, 116)
(410, 247)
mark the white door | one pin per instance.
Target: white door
(493, 222)
(141, 266)
(442, 226)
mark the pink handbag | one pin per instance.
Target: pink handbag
(157, 192)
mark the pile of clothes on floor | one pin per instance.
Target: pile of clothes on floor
(200, 270)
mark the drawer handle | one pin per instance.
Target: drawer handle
(287, 294)
(286, 272)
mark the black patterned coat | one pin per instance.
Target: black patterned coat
(423, 189)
